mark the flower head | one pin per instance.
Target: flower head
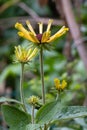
(41, 37)
(33, 100)
(24, 55)
(60, 86)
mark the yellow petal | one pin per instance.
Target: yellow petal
(58, 34)
(19, 49)
(45, 37)
(28, 36)
(29, 52)
(49, 25)
(33, 54)
(40, 28)
(24, 55)
(21, 28)
(64, 84)
(57, 83)
(34, 37)
(17, 52)
(30, 27)
(24, 33)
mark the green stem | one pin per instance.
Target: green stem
(58, 96)
(33, 114)
(21, 86)
(42, 74)
(40, 128)
(46, 127)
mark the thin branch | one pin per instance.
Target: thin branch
(28, 10)
(74, 29)
(7, 5)
(6, 23)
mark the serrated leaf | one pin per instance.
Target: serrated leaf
(4, 99)
(15, 118)
(47, 112)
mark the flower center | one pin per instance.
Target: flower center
(39, 37)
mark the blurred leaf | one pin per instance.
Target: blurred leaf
(63, 128)
(81, 121)
(7, 4)
(5, 99)
(39, 10)
(11, 69)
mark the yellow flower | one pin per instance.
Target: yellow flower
(25, 55)
(60, 86)
(33, 100)
(63, 85)
(41, 37)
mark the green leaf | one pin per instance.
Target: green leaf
(4, 99)
(47, 112)
(13, 69)
(81, 122)
(55, 111)
(18, 128)
(70, 112)
(15, 118)
(33, 126)
(28, 127)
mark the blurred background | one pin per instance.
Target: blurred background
(67, 59)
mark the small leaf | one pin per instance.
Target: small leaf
(15, 118)
(4, 99)
(47, 112)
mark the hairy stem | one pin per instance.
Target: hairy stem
(21, 86)
(32, 114)
(42, 75)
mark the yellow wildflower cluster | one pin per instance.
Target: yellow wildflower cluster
(41, 37)
(24, 55)
(60, 86)
(33, 100)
